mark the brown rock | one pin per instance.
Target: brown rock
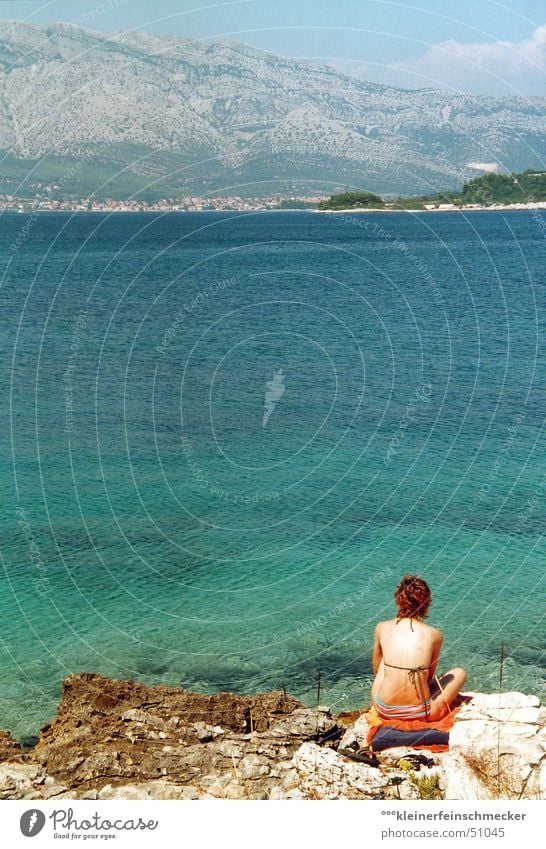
(123, 732)
(10, 750)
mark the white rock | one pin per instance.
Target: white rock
(459, 781)
(511, 699)
(140, 716)
(326, 775)
(358, 732)
(17, 780)
(252, 766)
(51, 791)
(508, 707)
(230, 749)
(203, 732)
(528, 715)
(491, 758)
(478, 734)
(156, 789)
(542, 780)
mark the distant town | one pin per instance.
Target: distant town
(45, 203)
(525, 190)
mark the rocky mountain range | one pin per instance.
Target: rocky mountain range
(126, 113)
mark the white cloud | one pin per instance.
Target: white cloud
(498, 67)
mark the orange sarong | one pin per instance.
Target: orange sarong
(445, 724)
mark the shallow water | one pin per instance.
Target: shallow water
(155, 528)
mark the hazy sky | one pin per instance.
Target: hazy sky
(480, 46)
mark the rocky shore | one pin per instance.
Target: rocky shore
(123, 740)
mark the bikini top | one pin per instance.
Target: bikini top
(411, 670)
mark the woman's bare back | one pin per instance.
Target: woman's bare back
(406, 654)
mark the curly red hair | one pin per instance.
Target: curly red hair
(412, 597)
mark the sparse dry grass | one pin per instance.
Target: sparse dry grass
(496, 774)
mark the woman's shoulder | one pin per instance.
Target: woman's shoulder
(388, 624)
(384, 626)
(434, 632)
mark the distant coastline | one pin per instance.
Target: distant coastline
(492, 191)
(444, 208)
(488, 193)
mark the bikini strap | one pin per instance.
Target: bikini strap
(411, 670)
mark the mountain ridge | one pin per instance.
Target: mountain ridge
(166, 114)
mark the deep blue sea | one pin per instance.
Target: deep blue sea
(226, 437)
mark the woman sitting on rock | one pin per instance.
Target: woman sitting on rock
(405, 656)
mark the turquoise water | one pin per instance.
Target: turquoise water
(156, 528)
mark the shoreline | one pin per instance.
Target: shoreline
(120, 739)
(539, 205)
(508, 208)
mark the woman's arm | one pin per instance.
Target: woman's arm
(437, 647)
(377, 653)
